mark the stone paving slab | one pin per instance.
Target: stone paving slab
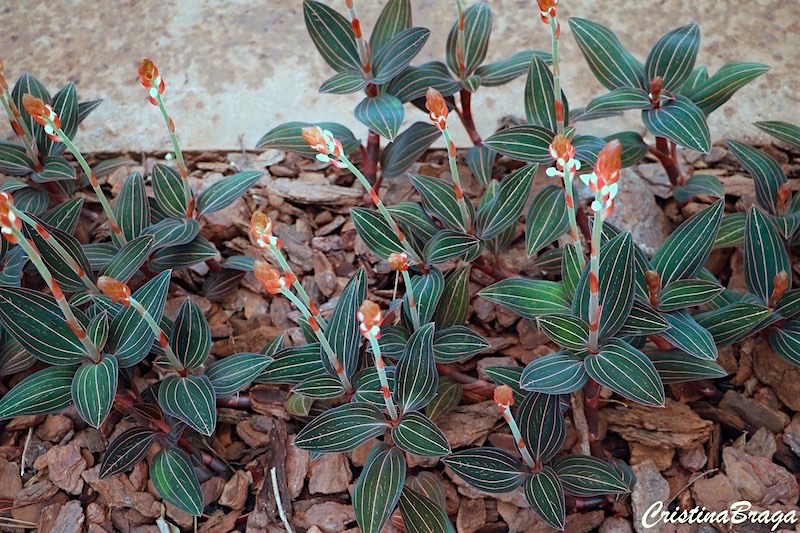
(236, 68)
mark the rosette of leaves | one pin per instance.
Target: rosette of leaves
(543, 430)
(347, 426)
(55, 169)
(674, 95)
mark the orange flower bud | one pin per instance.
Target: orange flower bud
(147, 72)
(653, 281)
(261, 228)
(609, 163)
(437, 107)
(324, 143)
(398, 262)
(561, 148)
(271, 279)
(9, 221)
(35, 107)
(784, 197)
(547, 9)
(370, 317)
(504, 396)
(656, 85)
(781, 283)
(315, 139)
(116, 290)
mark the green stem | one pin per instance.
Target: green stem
(460, 40)
(594, 297)
(159, 333)
(556, 70)
(284, 264)
(571, 214)
(323, 340)
(380, 367)
(457, 189)
(412, 302)
(93, 181)
(523, 450)
(387, 216)
(187, 191)
(73, 323)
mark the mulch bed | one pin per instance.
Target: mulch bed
(739, 441)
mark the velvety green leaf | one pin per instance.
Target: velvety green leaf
(620, 99)
(191, 335)
(697, 185)
(471, 83)
(168, 190)
(243, 263)
(394, 18)
(395, 55)
(448, 396)
(14, 160)
(97, 330)
(127, 450)
(626, 371)
(36, 322)
(342, 329)
(56, 168)
(505, 70)
(413, 83)
(609, 61)
(221, 283)
(678, 367)
(31, 201)
(224, 192)
(288, 137)
(449, 244)
(65, 105)
(684, 293)
(293, 365)
(416, 377)
(349, 81)
(190, 399)
(368, 385)
(28, 84)
(407, 148)
(567, 331)
(417, 434)
(183, 255)
(130, 338)
(540, 96)
(784, 340)
(45, 391)
(477, 28)
(320, 387)
(555, 373)
(789, 305)
(680, 121)
(546, 220)
(506, 206)
(673, 56)
(332, 35)
(457, 343)
(439, 200)
(480, 160)
(731, 230)
(732, 322)
(131, 209)
(765, 255)
(421, 514)
(686, 334)
(93, 389)
(616, 285)
(719, 88)
(528, 298)
(587, 476)
(393, 341)
(14, 358)
(62, 271)
(783, 131)
(491, 470)
(427, 290)
(382, 114)
(545, 495)
(523, 143)
(375, 232)
(128, 259)
(542, 425)
(766, 172)
(453, 307)
(172, 475)
(508, 375)
(65, 215)
(686, 250)
(587, 147)
(571, 269)
(378, 487)
(342, 428)
(643, 320)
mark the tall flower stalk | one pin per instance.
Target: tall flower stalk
(369, 318)
(361, 42)
(504, 398)
(19, 126)
(567, 167)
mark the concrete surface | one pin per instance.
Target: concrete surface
(236, 68)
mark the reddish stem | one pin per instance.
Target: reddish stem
(666, 156)
(591, 409)
(466, 117)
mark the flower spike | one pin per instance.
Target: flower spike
(370, 318)
(114, 289)
(328, 148)
(9, 221)
(43, 114)
(151, 80)
(548, 13)
(271, 279)
(261, 230)
(437, 108)
(504, 398)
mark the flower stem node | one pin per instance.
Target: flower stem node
(150, 79)
(328, 148)
(10, 223)
(370, 317)
(437, 108)
(114, 289)
(271, 279)
(43, 114)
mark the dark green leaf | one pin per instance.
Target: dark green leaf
(288, 137)
(567, 331)
(766, 172)
(789, 305)
(684, 293)
(449, 244)
(45, 391)
(368, 386)
(571, 269)
(332, 34)
(448, 396)
(784, 340)
(14, 160)
(524, 143)
(221, 283)
(14, 358)
(224, 192)
(416, 377)
(168, 190)
(406, 148)
(508, 375)
(633, 147)
(620, 99)
(783, 131)
(540, 96)
(480, 160)
(453, 307)
(375, 232)
(127, 450)
(457, 343)
(378, 488)
(131, 209)
(32, 201)
(765, 255)
(491, 470)
(172, 475)
(128, 259)
(56, 168)
(349, 81)
(382, 114)
(28, 84)
(477, 28)
(609, 61)
(678, 367)
(293, 365)
(643, 320)
(727, 80)
(342, 428)
(527, 297)
(191, 335)
(342, 329)
(542, 425)
(190, 399)
(626, 371)
(686, 334)
(65, 105)
(65, 215)
(673, 56)
(183, 255)
(321, 387)
(394, 18)
(731, 230)
(546, 496)
(63, 271)
(506, 206)
(505, 70)
(417, 434)
(697, 185)
(586, 476)
(427, 290)
(732, 322)
(439, 200)
(421, 514)
(93, 389)
(680, 121)
(395, 55)
(546, 220)
(555, 373)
